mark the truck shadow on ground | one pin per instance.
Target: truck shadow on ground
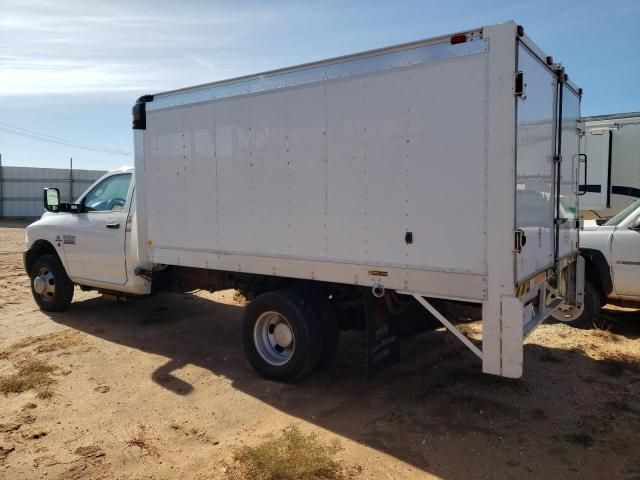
(429, 410)
(625, 323)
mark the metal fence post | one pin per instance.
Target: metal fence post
(70, 179)
(1, 189)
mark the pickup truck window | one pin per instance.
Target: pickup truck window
(613, 221)
(109, 195)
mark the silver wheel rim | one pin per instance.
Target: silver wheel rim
(273, 338)
(44, 284)
(567, 313)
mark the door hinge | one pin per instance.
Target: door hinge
(520, 240)
(520, 85)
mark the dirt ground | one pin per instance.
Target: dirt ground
(159, 388)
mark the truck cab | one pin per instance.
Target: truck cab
(91, 242)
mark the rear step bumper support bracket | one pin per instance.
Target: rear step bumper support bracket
(432, 310)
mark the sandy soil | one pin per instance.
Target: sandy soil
(159, 388)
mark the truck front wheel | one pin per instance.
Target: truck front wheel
(586, 316)
(281, 336)
(50, 286)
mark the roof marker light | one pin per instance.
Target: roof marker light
(549, 60)
(456, 39)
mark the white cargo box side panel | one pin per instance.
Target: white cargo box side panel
(406, 154)
(625, 166)
(272, 183)
(612, 144)
(336, 171)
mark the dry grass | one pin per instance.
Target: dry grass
(605, 335)
(291, 456)
(42, 344)
(141, 440)
(45, 394)
(31, 375)
(239, 299)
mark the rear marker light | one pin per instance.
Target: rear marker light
(549, 60)
(520, 31)
(456, 39)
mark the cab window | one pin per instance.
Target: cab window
(109, 195)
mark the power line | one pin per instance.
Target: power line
(43, 138)
(23, 132)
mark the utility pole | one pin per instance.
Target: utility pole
(71, 180)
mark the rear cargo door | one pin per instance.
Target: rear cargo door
(535, 140)
(569, 171)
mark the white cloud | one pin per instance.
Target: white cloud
(91, 47)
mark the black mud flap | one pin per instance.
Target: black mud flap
(383, 348)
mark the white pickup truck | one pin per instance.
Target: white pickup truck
(611, 251)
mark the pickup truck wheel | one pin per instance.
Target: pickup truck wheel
(585, 317)
(50, 286)
(281, 336)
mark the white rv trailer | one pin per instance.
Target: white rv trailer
(612, 146)
(441, 169)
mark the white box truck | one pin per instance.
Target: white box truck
(344, 193)
(611, 180)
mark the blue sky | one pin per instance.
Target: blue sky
(73, 69)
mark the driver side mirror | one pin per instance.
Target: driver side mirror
(51, 199)
(635, 225)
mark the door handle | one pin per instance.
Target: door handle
(113, 225)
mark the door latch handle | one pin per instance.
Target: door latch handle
(113, 225)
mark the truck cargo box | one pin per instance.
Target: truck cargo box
(443, 168)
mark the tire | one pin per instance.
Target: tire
(328, 324)
(57, 290)
(588, 317)
(265, 342)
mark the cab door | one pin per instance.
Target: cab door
(94, 238)
(625, 260)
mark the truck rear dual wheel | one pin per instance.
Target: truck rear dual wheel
(50, 286)
(329, 325)
(282, 336)
(585, 317)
